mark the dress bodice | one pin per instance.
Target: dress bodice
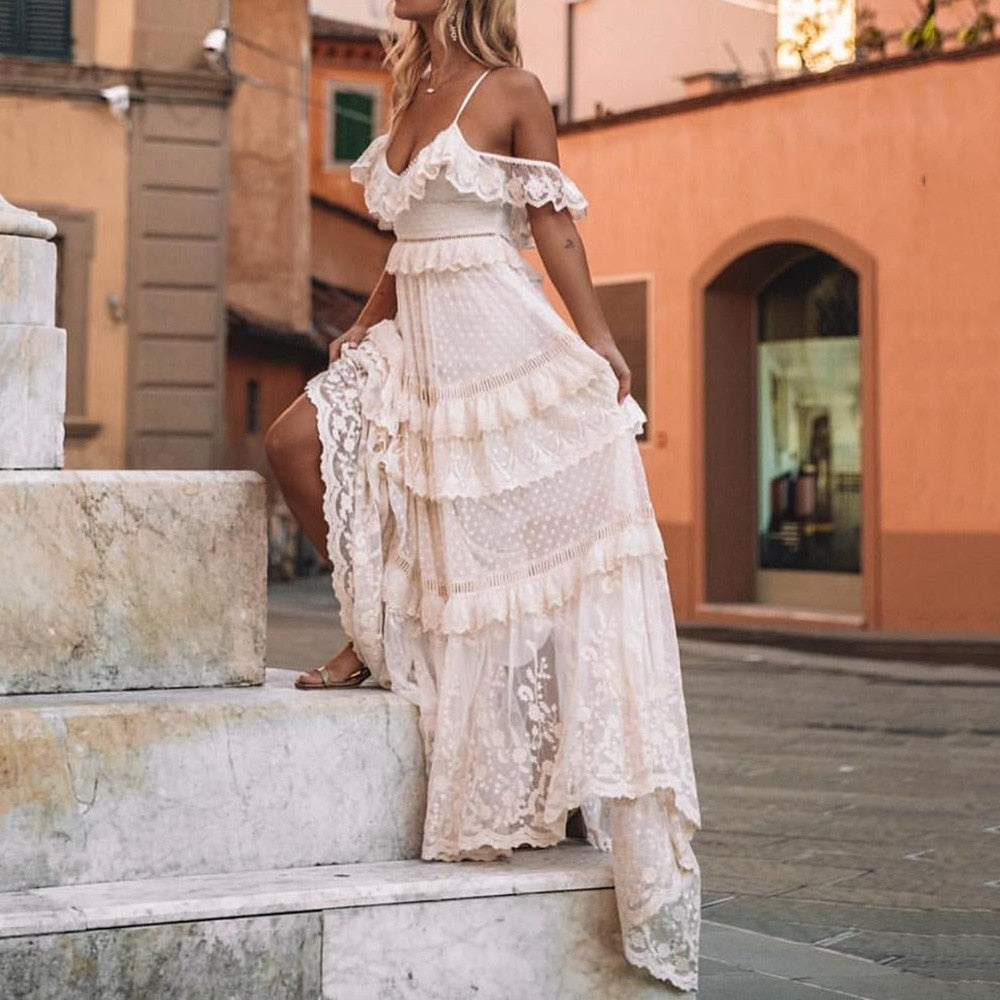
(449, 176)
(444, 211)
(451, 189)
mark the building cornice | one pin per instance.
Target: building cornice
(51, 78)
(840, 74)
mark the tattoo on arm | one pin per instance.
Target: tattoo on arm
(569, 244)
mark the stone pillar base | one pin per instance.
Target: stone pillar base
(130, 580)
(32, 396)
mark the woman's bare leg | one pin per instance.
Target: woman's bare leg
(293, 450)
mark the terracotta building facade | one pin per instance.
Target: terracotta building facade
(823, 308)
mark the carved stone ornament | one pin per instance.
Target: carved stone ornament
(16, 221)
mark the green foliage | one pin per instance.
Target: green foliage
(869, 38)
(983, 26)
(925, 34)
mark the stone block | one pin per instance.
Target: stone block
(542, 923)
(277, 957)
(27, 281)
(129, 580)
(32, 396)
(186, 898)
(138, 785)
(564, 945)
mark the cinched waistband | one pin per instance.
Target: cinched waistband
(451, 236)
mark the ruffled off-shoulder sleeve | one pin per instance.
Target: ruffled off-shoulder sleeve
(517, 182)
(365, 170)
(362, 167)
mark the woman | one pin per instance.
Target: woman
(469, 464)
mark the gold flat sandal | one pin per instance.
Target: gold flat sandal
(353, 679)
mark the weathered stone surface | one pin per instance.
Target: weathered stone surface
(17, 221)
(32, 396)
(127, 580)
(60, 909)
(556, 944)
(27, 281)
(114, 785)
(277, 957)
(540, 924)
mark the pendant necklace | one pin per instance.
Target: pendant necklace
(429, 88)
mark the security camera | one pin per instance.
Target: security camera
(215, 42)
(215, 48)
(118, 99)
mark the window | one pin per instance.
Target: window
(352, 114)
(809, 418)
(624, 304)
(35, 28)
(253, 406)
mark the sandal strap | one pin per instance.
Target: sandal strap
(324, 675)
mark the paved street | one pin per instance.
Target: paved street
(851, 836)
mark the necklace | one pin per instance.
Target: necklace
(430, 89)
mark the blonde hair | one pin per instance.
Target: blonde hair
(487, 31)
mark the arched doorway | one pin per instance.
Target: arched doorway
(785, 460)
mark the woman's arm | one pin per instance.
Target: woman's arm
(554, 232)
(381, 305)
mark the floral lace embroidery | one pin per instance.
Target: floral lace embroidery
(486, 444)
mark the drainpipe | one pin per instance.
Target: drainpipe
(570, 51)
(570, 5)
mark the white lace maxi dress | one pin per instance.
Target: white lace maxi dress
(496, 557)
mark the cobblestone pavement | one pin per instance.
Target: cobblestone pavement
(851, 815)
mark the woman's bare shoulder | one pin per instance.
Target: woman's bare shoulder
(530, 113)
(520, 86)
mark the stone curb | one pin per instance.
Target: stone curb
(914, 648)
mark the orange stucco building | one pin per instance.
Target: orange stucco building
(808, 301)
(879, 181)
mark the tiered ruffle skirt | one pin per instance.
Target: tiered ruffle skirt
(497, 562)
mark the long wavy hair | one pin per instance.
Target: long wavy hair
(487, 31)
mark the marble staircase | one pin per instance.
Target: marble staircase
(542, 924)
(147, 784)
(175, 821)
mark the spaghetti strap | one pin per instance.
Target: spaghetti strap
(472, 90)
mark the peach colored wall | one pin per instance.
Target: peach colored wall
(114, 28)
(630, 53)
(902, 163)
(268, 255)
(334, 183)
(36, 134)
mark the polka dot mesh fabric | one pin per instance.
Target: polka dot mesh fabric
(496, 556)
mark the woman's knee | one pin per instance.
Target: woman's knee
(292, 433)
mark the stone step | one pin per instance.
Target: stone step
(133, 785)
(129, 580)
(542, 924)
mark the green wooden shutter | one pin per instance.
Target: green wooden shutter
(39, 28)
(353, 114)
(9, 10)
